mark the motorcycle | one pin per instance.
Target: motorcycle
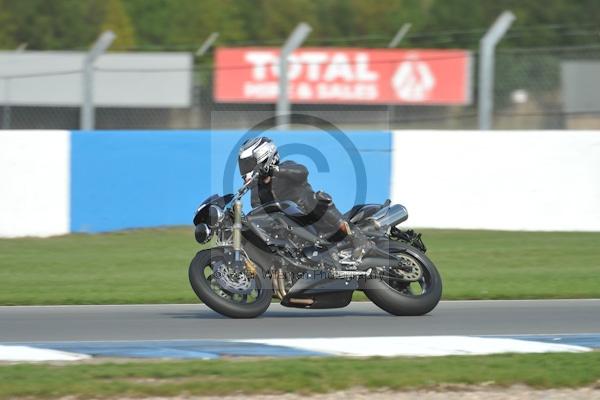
(275, 251)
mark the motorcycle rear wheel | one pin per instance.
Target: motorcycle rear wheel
(225, 302)
(403, 298)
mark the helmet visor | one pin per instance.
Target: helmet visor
(247, 165)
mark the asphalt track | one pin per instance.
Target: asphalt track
(196, 321)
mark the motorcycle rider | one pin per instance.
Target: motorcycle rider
(288, 180)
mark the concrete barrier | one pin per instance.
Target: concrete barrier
(56, 182)
(505, 180)
(127, 179)
(34, 183)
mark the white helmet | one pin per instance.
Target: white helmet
(257, 152)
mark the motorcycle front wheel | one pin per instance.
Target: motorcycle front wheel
(406, 298)
(205, 270)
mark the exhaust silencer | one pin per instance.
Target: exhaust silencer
(389, 216)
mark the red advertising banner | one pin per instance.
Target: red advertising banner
(343, 76)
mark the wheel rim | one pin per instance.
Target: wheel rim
(418, 288)
(251, 297)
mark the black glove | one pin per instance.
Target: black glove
(269, 169)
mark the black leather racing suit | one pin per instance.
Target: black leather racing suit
(290, 182)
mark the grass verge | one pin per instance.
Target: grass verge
(141, 379)
(150, 266)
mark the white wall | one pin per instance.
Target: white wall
(508, 180)
(505, 180)
(34, 183)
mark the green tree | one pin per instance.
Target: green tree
(279, 18)
(44, 25)
(184, 24)
(191, 21)
(117, 20)
(6, 27)
(152, 21)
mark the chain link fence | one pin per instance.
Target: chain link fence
(533, 89)
(530, 92)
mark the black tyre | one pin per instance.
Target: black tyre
(223, 301)
(402, 298)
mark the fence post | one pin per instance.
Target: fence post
(295, 40)
(87, 105)
(401, 34)
(487, 49)
(195, 115)
(6, 109)
(207, 44)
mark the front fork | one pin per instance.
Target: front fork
(237, 233)
(239, 262)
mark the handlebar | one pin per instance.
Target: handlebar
(246, 186)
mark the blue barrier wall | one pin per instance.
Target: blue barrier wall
(128, 179)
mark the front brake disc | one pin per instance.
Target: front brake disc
(233, 279)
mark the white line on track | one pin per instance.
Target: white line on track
(419, 346)
(360, 303)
